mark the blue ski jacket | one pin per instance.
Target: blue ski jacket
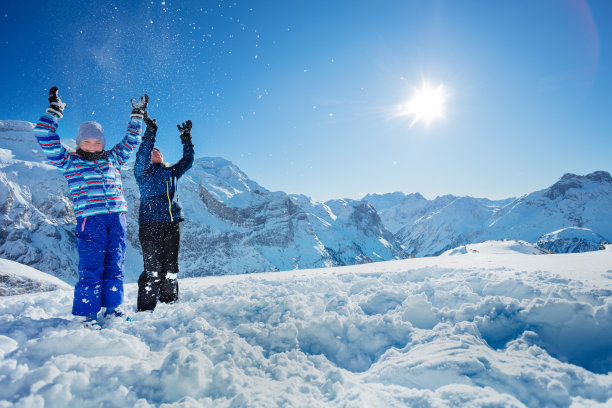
(159, 199)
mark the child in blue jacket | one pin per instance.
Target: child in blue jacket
(159, 217)
(99, 205)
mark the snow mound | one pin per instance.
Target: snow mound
(496, 248)
(509, 330)
(15, 126)
(571, 240)
(18, 144)
(17, 279)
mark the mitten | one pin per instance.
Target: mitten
(56, 106)
(139, 108)
(185, 132)
(151, 123)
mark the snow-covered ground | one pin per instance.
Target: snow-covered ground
(493, 328)
(497, 248)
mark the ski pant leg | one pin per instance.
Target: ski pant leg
(112, 279)
(169, 284)
(91, 242)
(151, 241)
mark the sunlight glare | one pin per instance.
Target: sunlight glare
(427, 104)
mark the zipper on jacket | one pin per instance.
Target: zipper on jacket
(169, 202)
(83, 226)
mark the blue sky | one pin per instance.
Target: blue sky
(301, 94)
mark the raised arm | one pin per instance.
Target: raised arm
(122, 151)
(45, 132)
(185, 163)
(143, 156)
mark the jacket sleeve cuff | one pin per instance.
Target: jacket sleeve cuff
(55, 113)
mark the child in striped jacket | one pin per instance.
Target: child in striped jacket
(94, 182)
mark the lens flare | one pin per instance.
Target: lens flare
(427, 104)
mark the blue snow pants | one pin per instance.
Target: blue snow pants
(101, 245)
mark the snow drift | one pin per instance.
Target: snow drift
(17, 279)
(497, 327)
(573, 239)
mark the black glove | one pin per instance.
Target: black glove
(185, 132)
(151, 123)
(56, 106)
(139, 108)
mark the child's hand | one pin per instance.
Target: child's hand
(139, 108)
(151, 123)
(185, 131)
(56, 105)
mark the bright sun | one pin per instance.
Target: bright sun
(427, 104)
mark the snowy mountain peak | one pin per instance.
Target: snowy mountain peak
(600, 176)
(393, 197)
(432, 226)
(572, 181)
(225, 180)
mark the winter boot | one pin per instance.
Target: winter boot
(91, 322)
(169, 290)
(112, 312)
(148, 291)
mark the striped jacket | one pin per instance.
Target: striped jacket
(95, 186)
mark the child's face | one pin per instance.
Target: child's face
(91, 145)
(156, 157)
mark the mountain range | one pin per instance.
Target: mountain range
(577, 204)
(234, 225)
